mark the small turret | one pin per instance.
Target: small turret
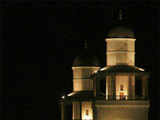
(83, 67)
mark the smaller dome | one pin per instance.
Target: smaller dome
(121, 32)
(86, 59)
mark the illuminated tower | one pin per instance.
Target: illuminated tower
(123, 100)
(121, 51)
(126, 84)
(84, 65)
(82, 97)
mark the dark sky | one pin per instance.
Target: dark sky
(39, 42)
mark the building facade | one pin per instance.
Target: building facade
(126, 95)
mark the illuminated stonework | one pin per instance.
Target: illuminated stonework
(81, 80)
(120, 50)
(87, 111)
(126, 95)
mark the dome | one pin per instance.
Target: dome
(86, 59)
(121, 32)
(122, 68)
(117, 69)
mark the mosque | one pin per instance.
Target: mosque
(126, 85)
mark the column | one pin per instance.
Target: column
(97, 86)
(94, 86)
(80, 110)
(107, 87)
(62, 110)
(109, 79)
(147, 92)
(130, 87)
(94, 110)
(144, 88)
(76, 110)
(114, 86)
(133, 86)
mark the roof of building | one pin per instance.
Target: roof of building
(84, 95)
(86, 59)
(121, 31)
(120, 68)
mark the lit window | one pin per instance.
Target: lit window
(87, 112)
(122, 97)
(87, 117)
(121, 87)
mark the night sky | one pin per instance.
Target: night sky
(39, 42)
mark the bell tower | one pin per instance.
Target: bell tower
(121, 51)
(122, 79)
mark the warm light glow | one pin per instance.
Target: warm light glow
(120, 50)
(121, 80)
(87, 117)
(125, 95)
(81, 78)
(63, 97)
(141, 69)
(103, 68)
(95, 71)
(120, 39)
(70, 94)
(87, 112)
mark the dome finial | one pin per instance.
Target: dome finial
(85, 44)
(120, 14)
